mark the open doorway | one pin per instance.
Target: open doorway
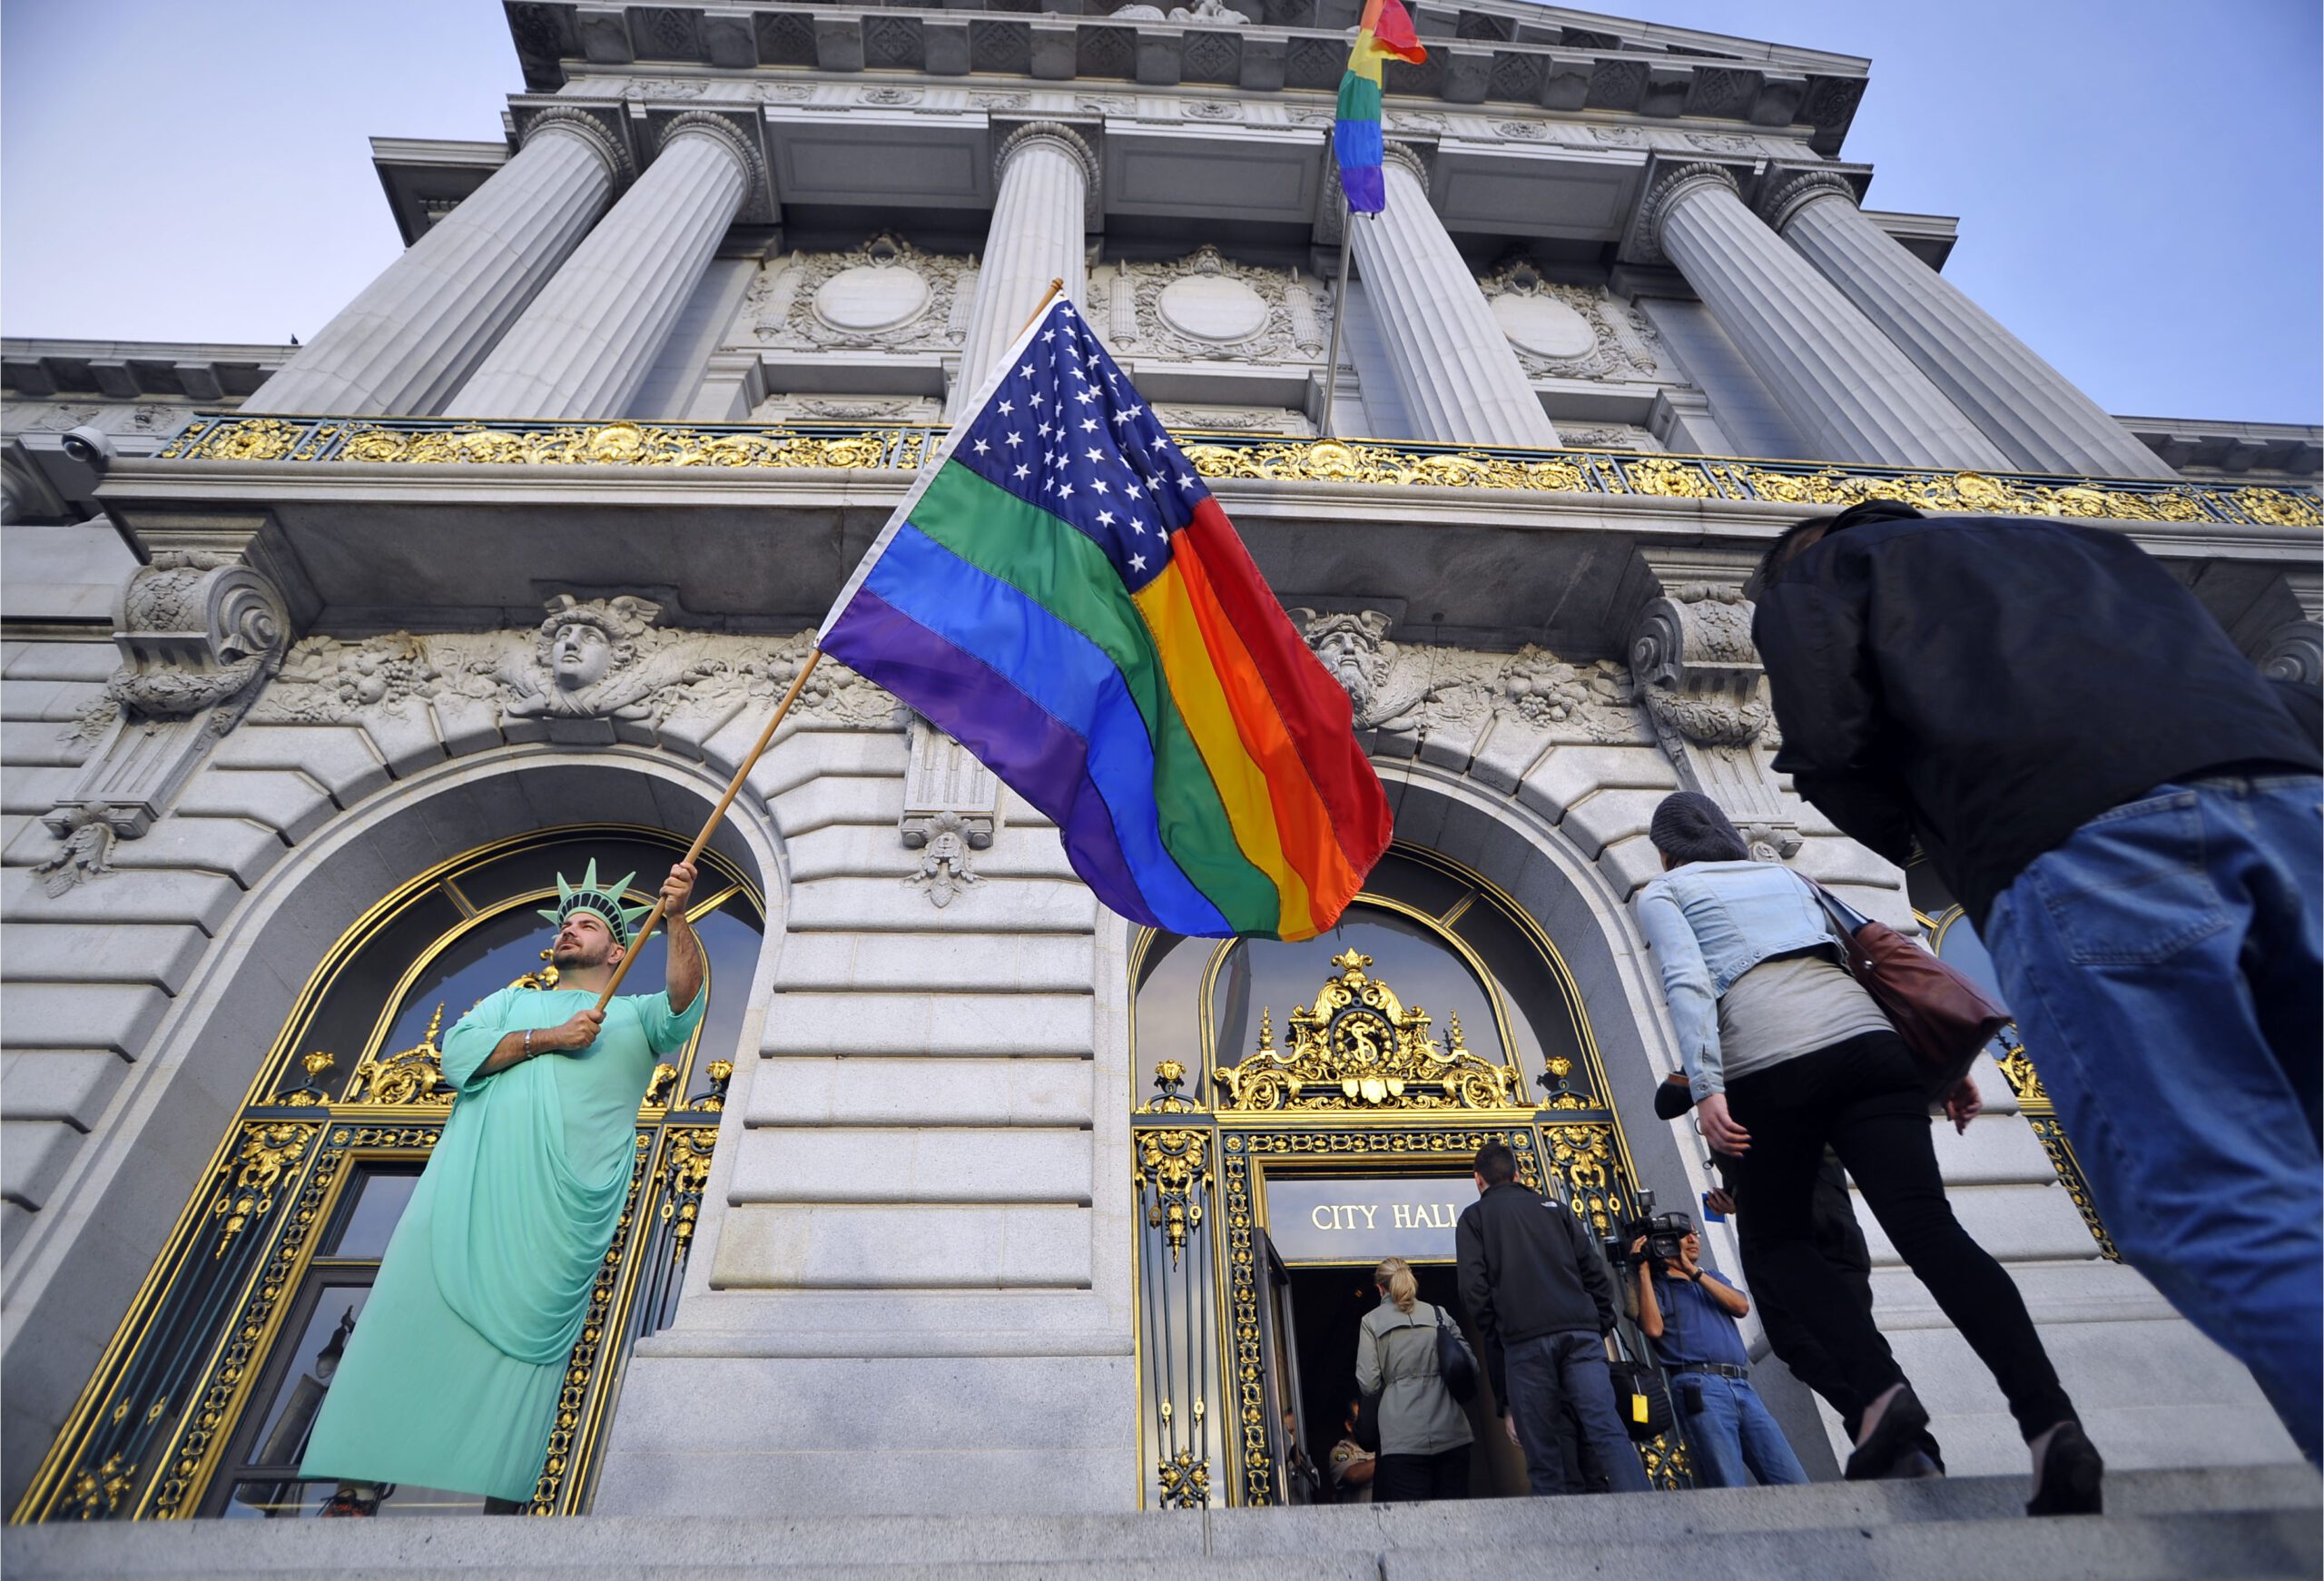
(1327, 1306)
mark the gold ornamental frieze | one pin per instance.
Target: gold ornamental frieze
(902, 448)
(1359, 1048)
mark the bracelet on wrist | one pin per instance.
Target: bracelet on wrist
(528, 1042)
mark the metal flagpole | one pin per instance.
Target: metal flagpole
(758, 750)
(1339, 316)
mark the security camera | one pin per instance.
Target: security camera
(91, 448)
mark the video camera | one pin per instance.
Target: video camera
(1662, 1232)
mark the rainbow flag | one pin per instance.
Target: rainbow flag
(1062, 596)
(1385, 31)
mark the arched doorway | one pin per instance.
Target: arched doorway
(1316, 1107)
(202, 1403)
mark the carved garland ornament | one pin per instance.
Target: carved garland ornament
(1568, 332)
(1206, 305)
(599, 660)
(886, 294)
(1358, 1048)
(1419, 688)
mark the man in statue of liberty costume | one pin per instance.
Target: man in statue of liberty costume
(451, 1378)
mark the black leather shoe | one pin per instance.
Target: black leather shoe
(2072, 1471)
(1904, 1421)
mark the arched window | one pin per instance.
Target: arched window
(203, 1403)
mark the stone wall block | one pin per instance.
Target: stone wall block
(1508, 752)
(1056, 53)
(839, 43)
(103, 1015)
(1839, 860)
(1451, 743)
(43, 951)
(60, 661)
(338, 756)
(832, 1089)
(2015, 1223)
(999, 905)
(864, 1247)
(1570, 772)
(1596, 821)
(68, 1085)
(283, 799)
(729, 41)
(847, 850)
(945, 42)
(241, 850)
(833, 799)
(33, 1157)
(799, 756)
(689, 729)
(1468, 73)
(604, 32)
(465, 725)
(1160, 56)
(1017, 1164)
(1998, 1149)
(38, 745)
(57, 701)
(967, 963)
(30, 791)
(204, 900)
(407, 743)
(1631, 865)
(924, 1024)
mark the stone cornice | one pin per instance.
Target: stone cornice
(1506, 55)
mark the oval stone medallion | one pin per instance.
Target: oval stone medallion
(1212, 307)
(864, 298)
(1544, 326)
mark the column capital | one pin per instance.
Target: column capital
(1666, 185)
(1410, 159)
(742, 143)
(595, 127)
(1787, 191)
(1066, 140)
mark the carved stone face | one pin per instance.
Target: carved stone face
(580, 656)
(1353, 651)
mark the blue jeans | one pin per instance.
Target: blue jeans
(1545, 1375)
(1733, 1438)
(2166, 967)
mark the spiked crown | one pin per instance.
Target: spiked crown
(604, 899)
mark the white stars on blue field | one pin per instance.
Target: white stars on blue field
(1095, 458)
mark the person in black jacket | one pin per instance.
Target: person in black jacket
(1533, 1283)
(2132, 819)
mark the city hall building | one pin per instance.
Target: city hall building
(321, 663)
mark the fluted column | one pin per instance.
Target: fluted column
(1461, 382)
(1046, 177)
(417, 332)
(2039, 418)
(1851, 394)
(585, 346)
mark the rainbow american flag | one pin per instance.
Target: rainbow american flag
(1062, 596)
(1385, 32)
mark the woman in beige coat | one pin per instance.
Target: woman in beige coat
(1423, 1433)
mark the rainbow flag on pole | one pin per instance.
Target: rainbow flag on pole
(1062, 596)
(1385, 32)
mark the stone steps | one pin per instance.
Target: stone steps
(2258, 1524)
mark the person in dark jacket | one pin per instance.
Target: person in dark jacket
(2132, 819)
(1532, 1281)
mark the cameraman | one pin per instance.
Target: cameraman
(1689, 1313)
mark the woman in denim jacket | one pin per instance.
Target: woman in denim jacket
(1786, 1053)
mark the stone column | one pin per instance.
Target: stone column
(1845, 385)
(2028, 408)
(1047, 178)
(585, 346)
(1460, 379)
(415, 334)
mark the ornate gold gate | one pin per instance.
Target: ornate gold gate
(1362, 1085)
(201, 1404)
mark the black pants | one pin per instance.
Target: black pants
(1408, 1478)
(1863, 1097)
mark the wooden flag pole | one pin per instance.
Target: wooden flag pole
(758, 750)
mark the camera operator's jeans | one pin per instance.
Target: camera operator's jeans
(2166, 970)
(1730, 1433)
(1546, 1373)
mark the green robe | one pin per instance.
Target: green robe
(450, 1379)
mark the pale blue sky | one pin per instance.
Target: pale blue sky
(2139, 181)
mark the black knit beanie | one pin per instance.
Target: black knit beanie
(1689, 827)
